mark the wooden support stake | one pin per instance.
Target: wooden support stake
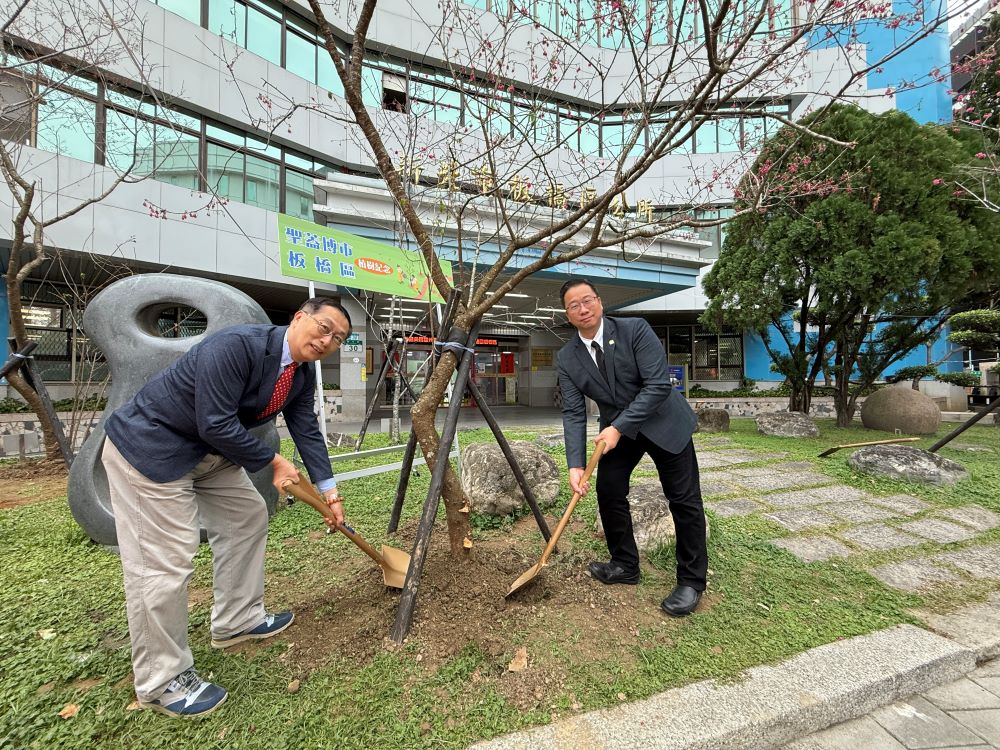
(836, 448)
(408, 600)
(522, 482)
(959, 430)
(411, 443)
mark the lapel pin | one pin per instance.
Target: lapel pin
(611, 342)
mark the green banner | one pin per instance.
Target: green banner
(317, 253)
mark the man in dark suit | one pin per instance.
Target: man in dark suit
(620, 364)
(176, 457)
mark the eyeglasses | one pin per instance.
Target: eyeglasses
(580, 303)
(325, 330)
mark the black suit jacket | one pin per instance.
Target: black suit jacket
(637, 397)
(206, 402)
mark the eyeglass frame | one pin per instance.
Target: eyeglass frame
(581, 303)
(324, 331)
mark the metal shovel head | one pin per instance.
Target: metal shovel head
(525, 578)
(397, 563)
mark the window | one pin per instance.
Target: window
(189, 9)
(300, 56)
(298, 194)
(67, 125)
(711, 356)
(264, 31)
(225, 171)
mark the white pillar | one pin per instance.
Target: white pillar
(352, 361)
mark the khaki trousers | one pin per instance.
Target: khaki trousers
(158, 535)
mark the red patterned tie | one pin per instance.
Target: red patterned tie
(281, 389)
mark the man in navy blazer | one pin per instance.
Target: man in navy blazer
(621, 365)
(176, 458)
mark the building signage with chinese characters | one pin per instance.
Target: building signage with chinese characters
(317, 253)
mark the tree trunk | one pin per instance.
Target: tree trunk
(843, 402)
(801, 398)
(423, 414)
(52, 452)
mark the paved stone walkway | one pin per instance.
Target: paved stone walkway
(962, 715)
(827, 520)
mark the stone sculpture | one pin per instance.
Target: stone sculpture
(122, 322)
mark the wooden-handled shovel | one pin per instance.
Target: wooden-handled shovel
(394, 562)
(534, 570)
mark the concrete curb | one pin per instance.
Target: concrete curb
(772, 705)
(976, 627)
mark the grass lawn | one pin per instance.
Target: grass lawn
(334, 682)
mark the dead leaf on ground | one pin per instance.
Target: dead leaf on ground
(293, 686)
(47, 634)
(87, 684)
(520, 661)
(69, 710)
(133, 706)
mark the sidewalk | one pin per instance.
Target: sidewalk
(961, 715)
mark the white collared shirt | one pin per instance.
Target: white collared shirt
(598, 337)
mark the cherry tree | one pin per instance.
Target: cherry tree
(518, 184)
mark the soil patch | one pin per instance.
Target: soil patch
(562, 618)
(27, 482)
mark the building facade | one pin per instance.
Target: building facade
(234, 114)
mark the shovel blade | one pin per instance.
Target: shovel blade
(397, 563)
(525, 577)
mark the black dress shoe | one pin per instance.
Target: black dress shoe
(612, 572)
(682, 601)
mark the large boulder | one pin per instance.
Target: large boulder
(907, 462)
(652, 523)
(490, 484)
(786, 424)
(712, 420)
(900, 408)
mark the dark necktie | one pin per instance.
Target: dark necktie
(599, 356)
(281, 389)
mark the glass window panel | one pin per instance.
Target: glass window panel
(263, 148)
(176, 157)
(545, 124)
(679, 345)
(224, 171)
(189, 9)
(181, 120)
(629, 132)
(262, 183)
(754, 129)
(729, 134)
(298, 195)
(264, 35)
(328, 77)
(682, 19)
(590, 141)
(128, 143)
(611, 139)
(228, 19)
(706, 138)
(302, 162)
(224, 135)
(371, 87)
(300, 56)
(62, 80)
(66, 125)
(145, 106)
(659, 22)
(781, 17)
(569, 132)
(449, 97)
